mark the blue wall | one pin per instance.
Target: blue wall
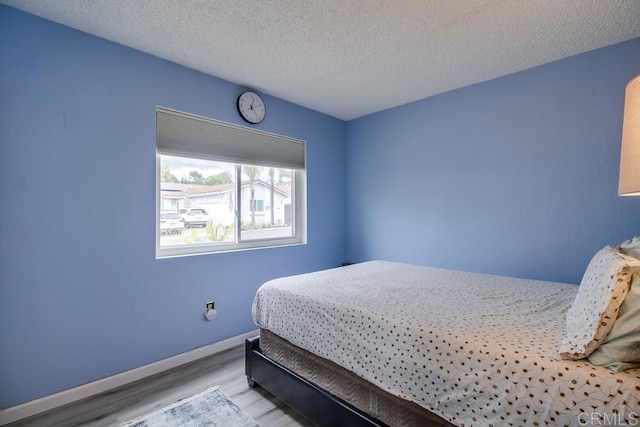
(81, 294)
(515, 176)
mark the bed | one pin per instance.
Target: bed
(383, 343)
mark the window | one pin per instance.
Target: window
(222, 187)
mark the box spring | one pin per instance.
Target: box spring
(345, 385)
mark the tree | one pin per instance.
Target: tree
(195, 177)
(252, 172)
(283, 173)
(226, 177)
(165, 173)
(271, 173)
(221, 178)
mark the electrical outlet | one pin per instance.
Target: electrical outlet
(210, 310)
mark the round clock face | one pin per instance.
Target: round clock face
(251, 107)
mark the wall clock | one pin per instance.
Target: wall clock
(251, 107)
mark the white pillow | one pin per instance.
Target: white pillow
(631, 247)
(604, 286)
(620, 350)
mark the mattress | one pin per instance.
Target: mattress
(474, 349)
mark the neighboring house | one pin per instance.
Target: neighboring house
(220, 201)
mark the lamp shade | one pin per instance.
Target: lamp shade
(630, 154)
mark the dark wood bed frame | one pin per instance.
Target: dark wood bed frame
(318, 406)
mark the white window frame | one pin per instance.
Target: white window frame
(271, 150)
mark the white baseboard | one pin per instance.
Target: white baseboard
(65, 397)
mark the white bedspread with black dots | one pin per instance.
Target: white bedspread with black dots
(475, 349)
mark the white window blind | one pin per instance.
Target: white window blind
(188, 135)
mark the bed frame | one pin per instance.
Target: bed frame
(315, 404)
(324, 392)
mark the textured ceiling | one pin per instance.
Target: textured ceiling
(349, 58)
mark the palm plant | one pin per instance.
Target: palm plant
(252, 172)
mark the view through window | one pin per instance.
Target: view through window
(199, 202)
(225, 187)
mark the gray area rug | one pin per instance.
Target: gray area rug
(210, 408)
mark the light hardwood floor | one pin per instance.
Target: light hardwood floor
(225, 369)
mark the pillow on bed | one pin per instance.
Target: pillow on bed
(631, 247)
(620, 350)
(602, 290)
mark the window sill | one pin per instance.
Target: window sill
(206, 249)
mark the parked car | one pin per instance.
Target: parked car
(171, 223)
(194, 217)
